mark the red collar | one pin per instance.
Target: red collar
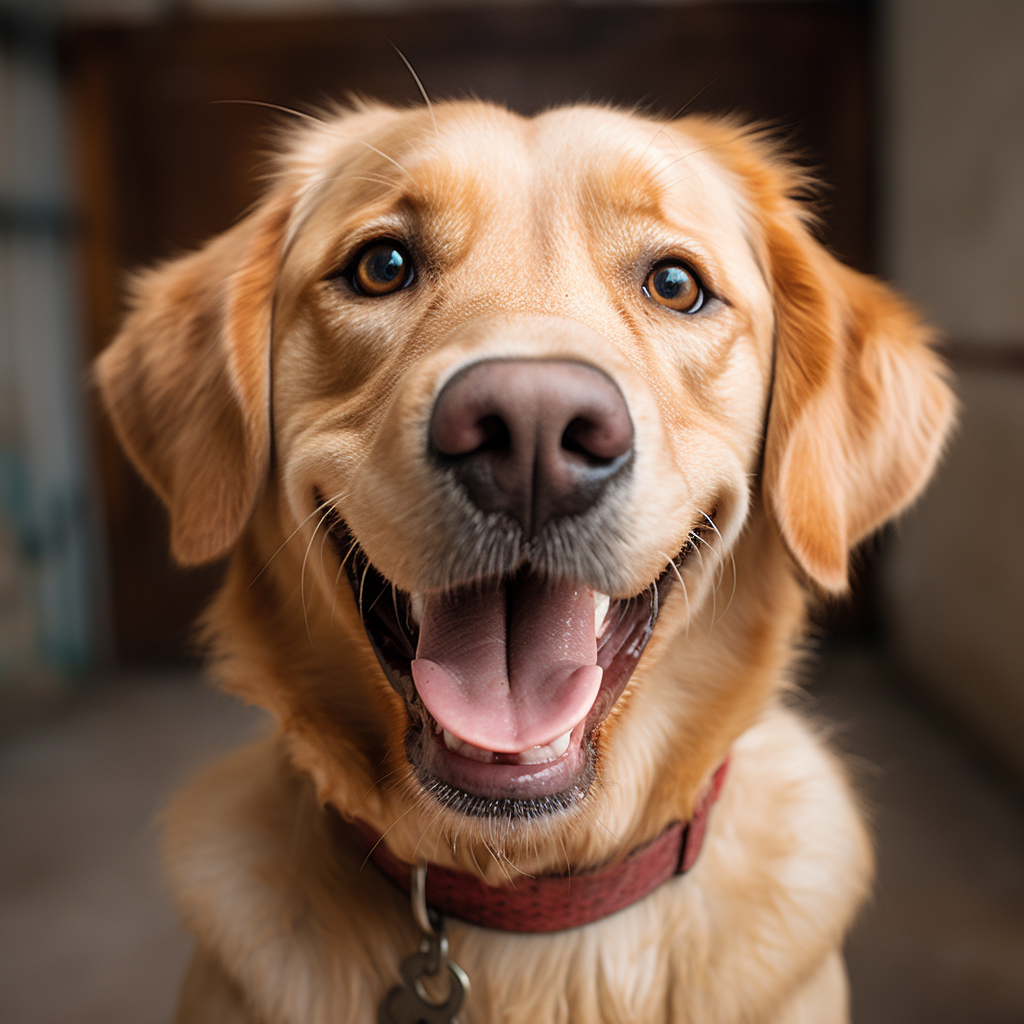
(551, 903)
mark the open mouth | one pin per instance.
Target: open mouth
(506, 680)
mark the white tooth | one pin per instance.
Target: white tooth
(535, 755)
(453, 743)
(416, 604)
(601, 604)
(549, 752)
(561, 745)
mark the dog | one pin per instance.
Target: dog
(528, 441)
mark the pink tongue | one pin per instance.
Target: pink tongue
(509, 667)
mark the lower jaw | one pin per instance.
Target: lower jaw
(480, 789)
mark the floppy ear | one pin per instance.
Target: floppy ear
(860, 406)
(186, 382)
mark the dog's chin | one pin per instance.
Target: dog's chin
(540, 763)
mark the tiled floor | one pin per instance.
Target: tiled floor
(87, 935)
(943, 940)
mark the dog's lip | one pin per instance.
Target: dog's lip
(527, 784)
(391, 629)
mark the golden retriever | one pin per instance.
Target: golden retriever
(528, 439)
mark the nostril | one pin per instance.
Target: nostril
(494, 434)
(580, 438)
(457, 431)
(571, 441)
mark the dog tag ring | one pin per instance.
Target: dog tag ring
(410, 1002)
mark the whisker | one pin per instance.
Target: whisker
(284, 543)
(568, 863)
(498, 858)
(318, 185)
(348, 553)
(334, 595)
(682, 110)
(732, 558)
(302, 577)
(362, 584)
(695, 174)
(375, 179)
(394, 600)
(380, 152)
(693, 152)
(476, 863)
(711, 547)
(386, 831)
(660, 131)
(323, 542)
(696, 96)
(383, 778)
(337, 576)
(419, 84)
(714, 590)
(377, 598)
(679, 576)
(721, 572)
(423, 833)
(270, 106)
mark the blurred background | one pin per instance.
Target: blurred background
(117, 149)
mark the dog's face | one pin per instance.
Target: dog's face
(561, 350)
(505, 412)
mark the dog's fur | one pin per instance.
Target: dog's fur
(801, 408)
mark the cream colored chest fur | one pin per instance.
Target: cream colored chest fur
(294, 922)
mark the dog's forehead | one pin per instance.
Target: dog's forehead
(623, 163)
(569, 188)
(478, 154)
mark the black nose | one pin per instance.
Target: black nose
(536, 439)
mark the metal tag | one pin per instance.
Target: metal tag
(411, 1003)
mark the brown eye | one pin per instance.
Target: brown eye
(675, 285)
(381, 268)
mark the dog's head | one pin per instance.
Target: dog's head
(526, 435)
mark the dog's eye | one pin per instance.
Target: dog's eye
(674, 284)
(382, 267)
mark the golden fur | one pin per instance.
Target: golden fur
(801, 412)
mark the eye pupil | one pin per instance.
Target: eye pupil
(385, 266)
(670, 281)
(382, 268)
(675, 285)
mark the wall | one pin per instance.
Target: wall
(50, 604)
(954, 241)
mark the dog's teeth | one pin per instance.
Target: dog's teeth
(561, 745)
(601, 605)
(453, 743)
(416, 604)
(535, 755)
(538, 755)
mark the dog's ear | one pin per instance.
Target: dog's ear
(859, 406)
(186, 381)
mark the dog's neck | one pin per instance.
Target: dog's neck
(553, 903)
